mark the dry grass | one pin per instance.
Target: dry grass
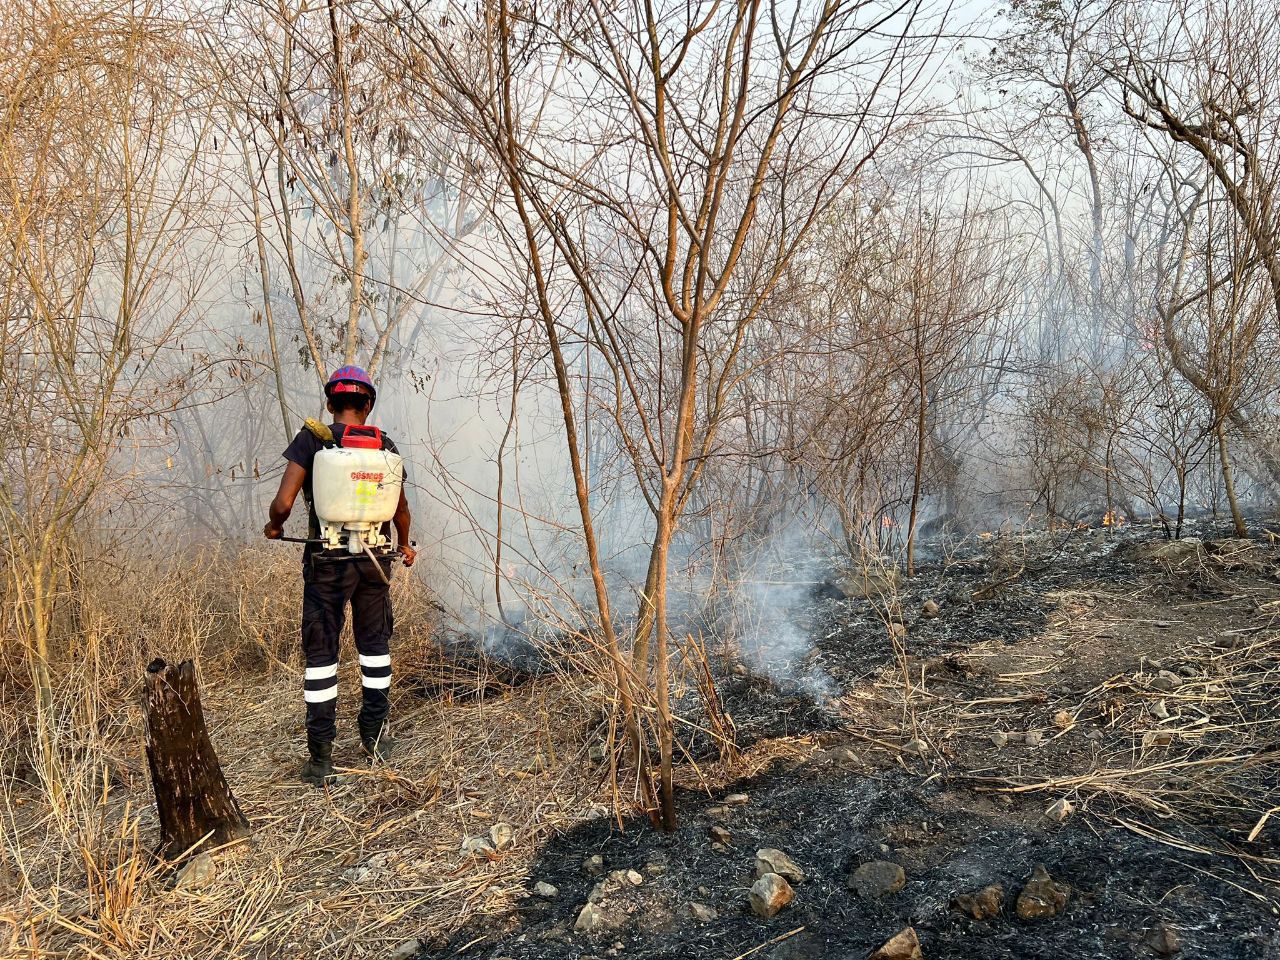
(351, 871)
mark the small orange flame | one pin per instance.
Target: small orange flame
(887, 522)
(1113, 518)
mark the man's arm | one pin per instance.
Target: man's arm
(282, 505)
(402, 519)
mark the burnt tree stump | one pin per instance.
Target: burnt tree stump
(192, 796)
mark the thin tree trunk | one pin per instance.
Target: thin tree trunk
(1228, 482)
(193, 800)
(916, 483)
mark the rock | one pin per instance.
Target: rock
(546, 890)
(1060, 809)
(703, 913)
(770, 894)
(1160, 710)
(898, 630)
(1042, 896)
(916, 746)
(999, 738)
(903, 945)
(930, 609)
(615, 882)
(501, 836)
(406, 950)
(655, 869)
(718, 811)
(356, 874)
(1063, 720)
(1174, 552)
(477, 847)
(1164, 939)
(1033, 738)
(769, 860)
(1157, 738)
(593, 866)
(1094, 734)
(594, 918)
(740, 670)
(879, 878)
(1166, 680)
(841, 756)
(720, 835)
(596, 753)
(866, 584)
(736, 800)
(201, 870)
(983, 905)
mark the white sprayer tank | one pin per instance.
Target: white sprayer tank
(355, 491)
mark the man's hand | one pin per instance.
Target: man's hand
(408, 553)
(273, 531)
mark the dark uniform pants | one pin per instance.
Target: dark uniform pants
(328, 586)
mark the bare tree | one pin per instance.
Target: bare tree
(99, 160)
(661, 186)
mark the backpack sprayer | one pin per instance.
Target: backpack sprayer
(355, 489)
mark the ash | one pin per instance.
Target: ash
(1129, 680)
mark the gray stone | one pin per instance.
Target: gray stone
(594, 918)
(879, 878)
(903, 945)
(916, 746)
(930, 609)
(1033, 738)
(769, 860)
(477, 847)
(502, 836)
(1060, 809)
(736, 800)
(546, 890)
(406, 950)
(1042, 896)
(593, 866)
(199, 871)
(999, 738)
(1164, 939)
(703, 913)
(983, 905)
(720, 835)
(770, 894)
(840, 756)
(1166, 680)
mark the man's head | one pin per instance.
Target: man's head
(350, 390)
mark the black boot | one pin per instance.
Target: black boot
(376, 743)
(319, 766)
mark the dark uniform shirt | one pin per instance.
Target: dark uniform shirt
(302, 451)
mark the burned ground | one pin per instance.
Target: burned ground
(1136, 680)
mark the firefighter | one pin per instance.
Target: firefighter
(332, 579)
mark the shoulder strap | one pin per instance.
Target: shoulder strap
(319, 431)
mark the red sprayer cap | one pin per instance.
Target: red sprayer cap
(362, 438)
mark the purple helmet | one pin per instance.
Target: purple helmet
(350, 380)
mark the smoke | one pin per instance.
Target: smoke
(773, 606)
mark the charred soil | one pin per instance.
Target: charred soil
(1104, 705)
